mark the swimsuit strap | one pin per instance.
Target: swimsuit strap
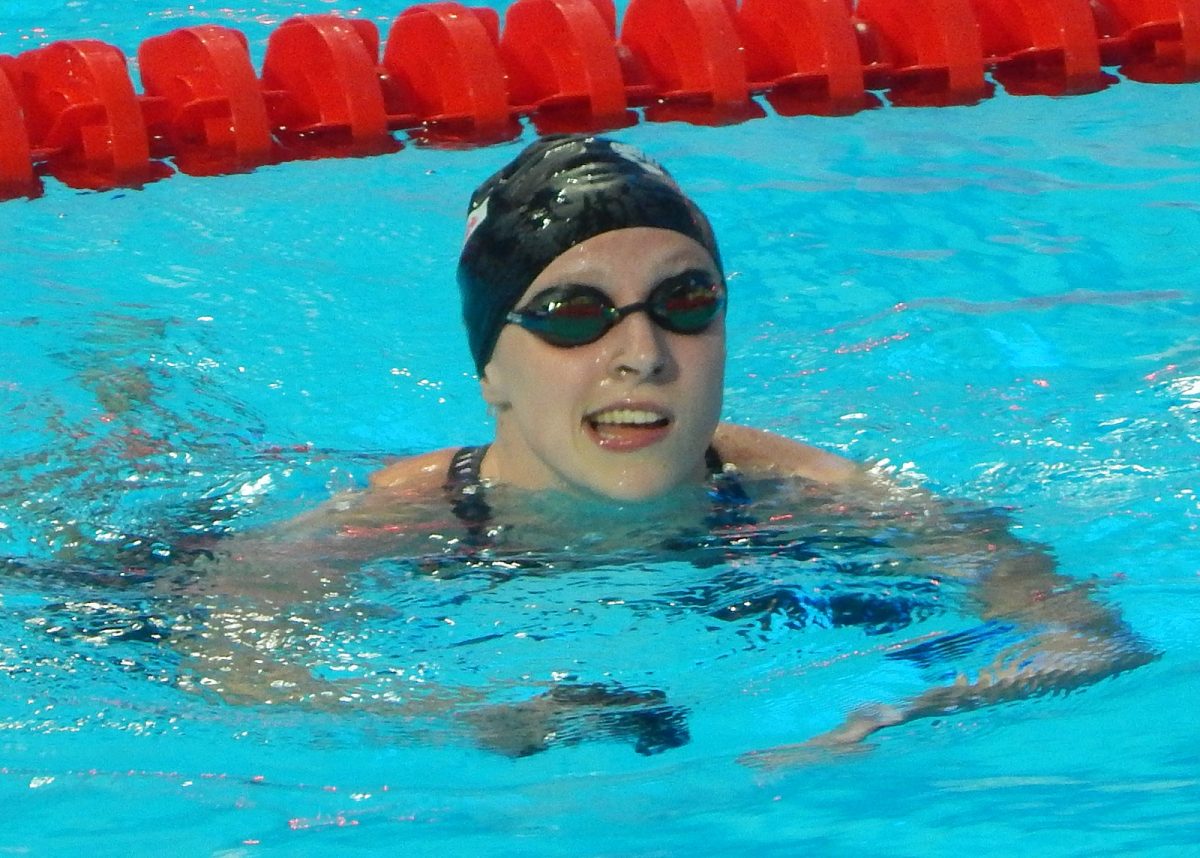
(726, 492)
(464, 490)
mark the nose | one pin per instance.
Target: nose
(640, 346)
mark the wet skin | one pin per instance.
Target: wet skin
(627, 417)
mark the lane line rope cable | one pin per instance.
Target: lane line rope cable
(447, 74)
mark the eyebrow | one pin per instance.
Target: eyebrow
(683, 259)
(671, 272)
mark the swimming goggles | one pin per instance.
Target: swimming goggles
(575, 315)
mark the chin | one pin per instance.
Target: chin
(625, 495)
(637, 491)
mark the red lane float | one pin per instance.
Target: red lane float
(213, 115)
(83, 117)
(442, 60)
(932, 48)
(1160, 38)
(321, 82)
(449, 75)
(804, 55)
(564, 65)
(16, 161)
(1042, 47)
(692, 57)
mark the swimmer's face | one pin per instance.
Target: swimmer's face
(628, 416)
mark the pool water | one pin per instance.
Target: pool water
(995, 302)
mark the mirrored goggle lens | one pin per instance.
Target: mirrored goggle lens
(687, 308)
(572, 320)
(577, 316)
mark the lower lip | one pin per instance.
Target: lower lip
(625, 438)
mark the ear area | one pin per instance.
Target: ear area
(493, 388)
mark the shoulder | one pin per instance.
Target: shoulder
(758, 453)
(415, 474)
(414, 479)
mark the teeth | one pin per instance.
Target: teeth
(628, 415)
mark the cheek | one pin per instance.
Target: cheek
(539, 378)
(710, 387)
(717, 358)
(707, 364)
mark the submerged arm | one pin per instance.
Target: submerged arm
(1068, 639)
(1072, 642)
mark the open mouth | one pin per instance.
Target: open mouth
(627, 429)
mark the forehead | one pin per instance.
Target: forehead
(626, 255)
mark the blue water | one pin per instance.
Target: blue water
(997, 302)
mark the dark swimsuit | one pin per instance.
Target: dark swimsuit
(730, 526)
(760, 608)
(465, 492)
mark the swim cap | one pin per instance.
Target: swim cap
(559, 192)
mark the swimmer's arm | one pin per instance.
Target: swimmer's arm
(1072, 641)
(424, 474)
(418, 478)
(758, 453)
(255, 580)
(413, 479)
(301, 558)
(1054, 662)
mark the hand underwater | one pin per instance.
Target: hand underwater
(846, 737)
(569, 714)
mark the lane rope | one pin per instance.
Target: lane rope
(448, 74)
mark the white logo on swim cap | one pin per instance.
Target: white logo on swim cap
(640, 158)
(475, 217)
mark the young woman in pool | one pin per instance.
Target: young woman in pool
(594, 301)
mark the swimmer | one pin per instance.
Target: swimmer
(594, 298)
(594, 301)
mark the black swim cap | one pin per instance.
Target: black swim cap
(559, 192)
